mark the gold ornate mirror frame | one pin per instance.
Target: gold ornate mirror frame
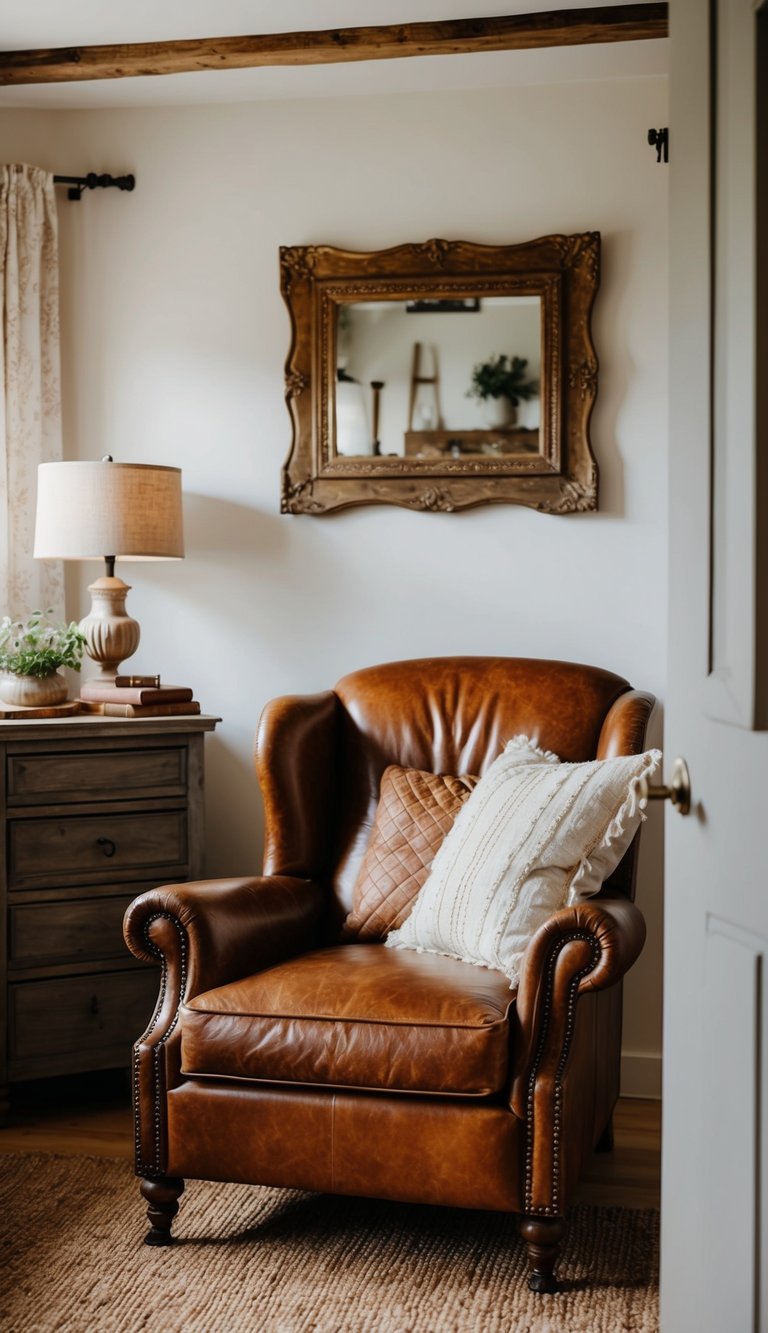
(559, 477)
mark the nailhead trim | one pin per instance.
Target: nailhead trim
(554, 1209)
(143, 1168)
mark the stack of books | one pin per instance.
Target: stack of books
(137, 696)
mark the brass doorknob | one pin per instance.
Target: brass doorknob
(678, 791)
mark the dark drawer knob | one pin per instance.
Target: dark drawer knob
(94, 1004)
(107, 846)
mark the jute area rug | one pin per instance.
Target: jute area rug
(258, 1259)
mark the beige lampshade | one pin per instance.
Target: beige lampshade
(86, 511)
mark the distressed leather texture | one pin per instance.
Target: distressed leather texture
(415, 812)
(356, 1016)
(279, 1055)
(434, 1150)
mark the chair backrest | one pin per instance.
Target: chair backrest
(454, 715)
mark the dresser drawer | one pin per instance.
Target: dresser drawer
(93, 1013)
(86, 929)
(83, 848)
(39, 777)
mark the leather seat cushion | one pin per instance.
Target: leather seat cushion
(357, 1015)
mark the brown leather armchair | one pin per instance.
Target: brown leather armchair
(279, 1056)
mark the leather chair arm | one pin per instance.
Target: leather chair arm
(588, 946)
(205, 934)
(209, 932)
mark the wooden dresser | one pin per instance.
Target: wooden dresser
(94, 811)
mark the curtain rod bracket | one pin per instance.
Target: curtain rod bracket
(94, 181)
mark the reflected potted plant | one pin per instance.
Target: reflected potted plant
(500, 384)
(31, 653)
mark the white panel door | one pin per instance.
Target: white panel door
(715, 1133)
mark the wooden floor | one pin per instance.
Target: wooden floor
(630, 1176)
(91, 1115)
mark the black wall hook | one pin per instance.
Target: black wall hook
(660, 139)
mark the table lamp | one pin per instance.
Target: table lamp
(108, 511)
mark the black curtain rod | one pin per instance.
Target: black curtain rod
(94, 182)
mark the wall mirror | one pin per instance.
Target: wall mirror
(442, 375)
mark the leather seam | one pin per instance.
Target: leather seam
(368, 1022)
(344, 1087)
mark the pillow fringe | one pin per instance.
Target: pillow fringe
(511, 972)
(630, 806)
(525, 743)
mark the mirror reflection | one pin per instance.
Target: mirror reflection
(439, 378)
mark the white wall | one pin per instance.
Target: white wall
(174, 338)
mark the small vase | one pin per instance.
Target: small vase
(499, 413)
(32, 691)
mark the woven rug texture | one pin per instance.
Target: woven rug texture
(277, 1261)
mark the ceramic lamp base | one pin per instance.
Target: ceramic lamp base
(111, 635)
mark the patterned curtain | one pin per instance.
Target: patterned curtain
(30, 389)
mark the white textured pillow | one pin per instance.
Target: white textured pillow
(533, 836)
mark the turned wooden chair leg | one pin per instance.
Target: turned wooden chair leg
(605, 1142)
(162, 1198)
(542, 1236)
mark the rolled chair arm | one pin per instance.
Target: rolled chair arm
(205, 934)
(588, 946)
(220, 929)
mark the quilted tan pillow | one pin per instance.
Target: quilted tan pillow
(415, 812)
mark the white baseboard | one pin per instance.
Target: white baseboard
(641, 1074)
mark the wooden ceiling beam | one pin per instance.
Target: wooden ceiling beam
(519, 32)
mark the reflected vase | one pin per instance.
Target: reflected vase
(499, 413)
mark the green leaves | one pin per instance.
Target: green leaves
(502, 376)
(37, 647)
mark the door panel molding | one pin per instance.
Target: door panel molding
(736, 690)
(732, 1102)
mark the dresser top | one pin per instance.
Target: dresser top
(82, 727)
